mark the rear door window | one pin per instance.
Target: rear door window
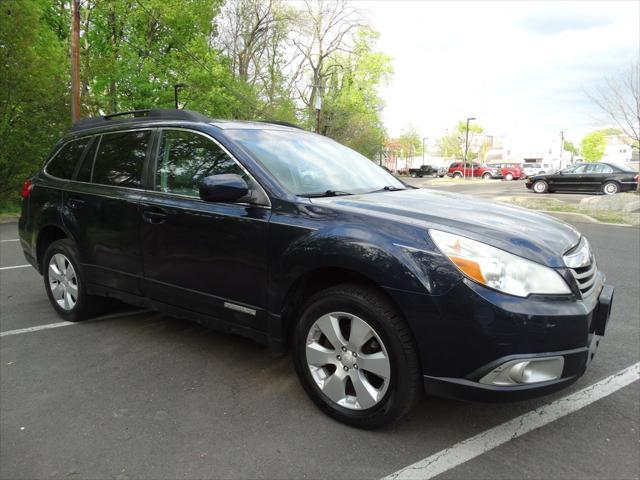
(120, 158)
(65, 161)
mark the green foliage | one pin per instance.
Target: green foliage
(34, 105)
(351, 106)
(451, 145)
(410, 142)
(593, 144)
(134, 51)
(570, 147)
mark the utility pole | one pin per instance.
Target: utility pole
(561, 148)
(75, 60)
(317, 104)
(466, 147)
(423, 139)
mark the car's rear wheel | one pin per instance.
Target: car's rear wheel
(610, 188)
(540, 186)
(457, 175)
(65, 283)
(355, 357)
(508, 176)
(486, 176)
(413, 175)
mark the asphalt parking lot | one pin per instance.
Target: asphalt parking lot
(142, 395)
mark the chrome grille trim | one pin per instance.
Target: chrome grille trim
(586, 277)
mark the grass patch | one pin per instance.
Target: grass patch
(555, 205)
(9, 210)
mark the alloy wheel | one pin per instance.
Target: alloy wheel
(63, 281)
(348, 361)
(610, 188)
(540, 187)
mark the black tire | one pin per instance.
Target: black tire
(486, 176)
(610, 188)
(457, 175)
(508, 176)
(540, 186)
(86, 306)
(405, 386)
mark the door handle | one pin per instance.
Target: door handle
(155, 216)
(75, 202)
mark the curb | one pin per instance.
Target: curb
(9, 219)
(575, 216)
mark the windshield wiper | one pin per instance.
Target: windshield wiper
(326, 193)
(387, 188)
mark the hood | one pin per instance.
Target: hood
(523, 232)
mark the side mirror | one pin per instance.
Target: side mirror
(226, 187)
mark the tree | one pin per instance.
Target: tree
(570, 147)
(324, 29)
(451, 145)
(619, 100)
(352, 105)
(410, 142)
(34, 81)
(593, 145)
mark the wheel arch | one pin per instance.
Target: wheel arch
(316, 280)
(46, 237)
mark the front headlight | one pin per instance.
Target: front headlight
(498, 269)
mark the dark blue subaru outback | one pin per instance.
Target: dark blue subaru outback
(380, 290)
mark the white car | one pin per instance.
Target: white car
(531, 169)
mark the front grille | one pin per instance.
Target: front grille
(586, 277)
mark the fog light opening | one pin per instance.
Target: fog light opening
(525, 371)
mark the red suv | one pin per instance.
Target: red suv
(508, 171)
(478, 170)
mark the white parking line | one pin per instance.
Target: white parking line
(35, 329)
(10, 240)
(14, 267)
(109, 316)
(472, 447)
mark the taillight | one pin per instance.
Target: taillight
(26, 188)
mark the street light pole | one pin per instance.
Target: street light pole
(561, 148)
(175, 92)
(466, 147)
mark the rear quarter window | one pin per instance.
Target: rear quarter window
(64, 162)
(120, 158)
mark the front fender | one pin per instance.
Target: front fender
(372, 253)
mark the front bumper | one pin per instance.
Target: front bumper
(472, 330)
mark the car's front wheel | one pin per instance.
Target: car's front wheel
(508, 176)
(486, 176)
(457, 175)
(65, 283)
(610, 188)
(540, 186)
(355, 357)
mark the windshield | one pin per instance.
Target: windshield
(304, 163)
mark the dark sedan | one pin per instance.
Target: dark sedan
(608, 178)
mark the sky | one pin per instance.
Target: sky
(521, 68)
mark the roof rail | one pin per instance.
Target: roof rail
(139, 115)
(280, 122)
